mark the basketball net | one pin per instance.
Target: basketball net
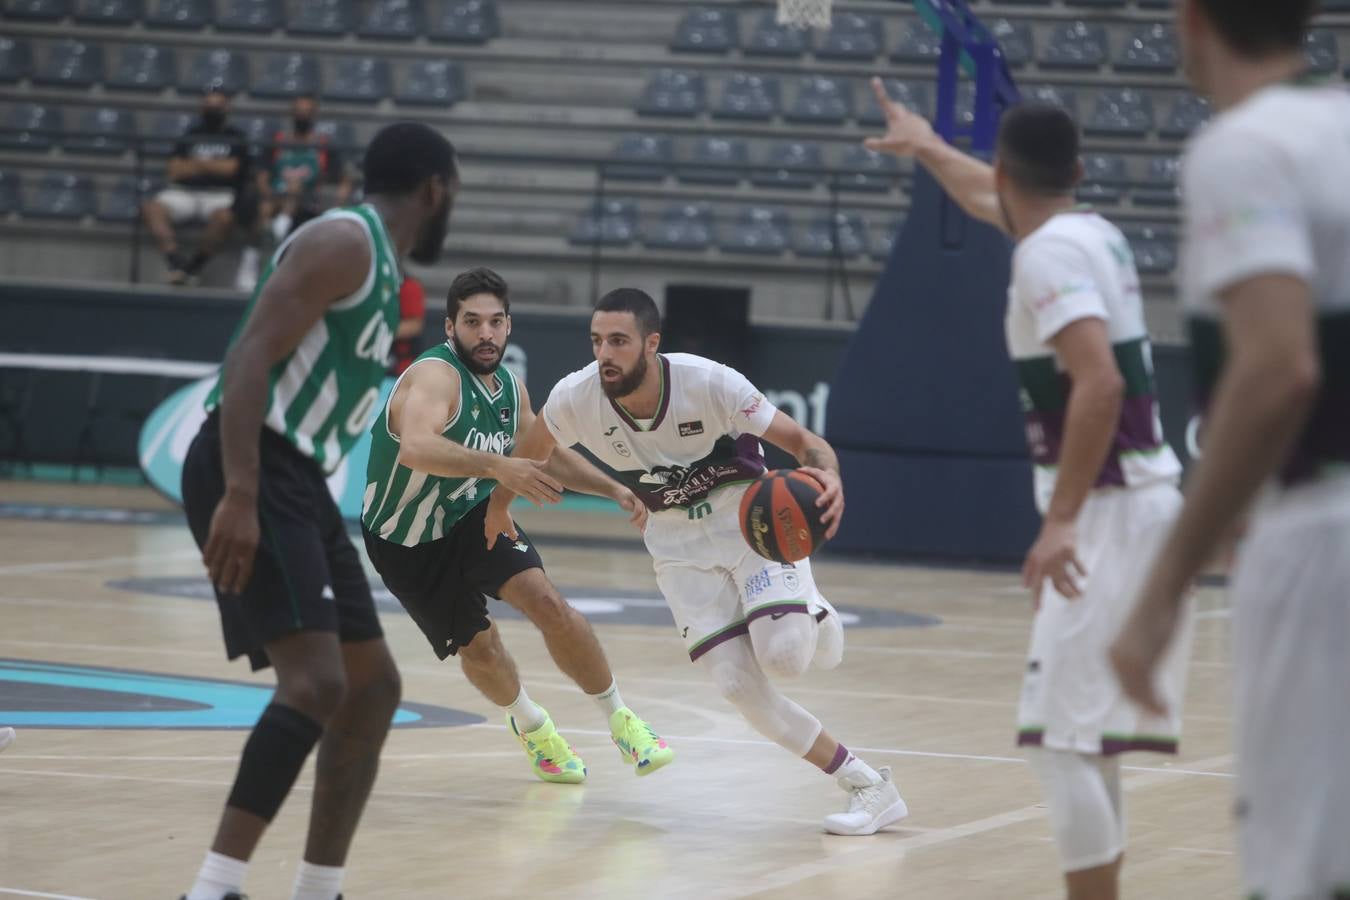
(804, 13)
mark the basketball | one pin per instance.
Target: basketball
(779, 517)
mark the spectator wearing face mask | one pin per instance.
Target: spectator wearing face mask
(299, 162)
(207, 168)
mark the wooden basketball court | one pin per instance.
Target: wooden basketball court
(114, 812)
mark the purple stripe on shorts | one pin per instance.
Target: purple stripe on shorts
(721, 637)
(776, 609)
(1112, 746)
(840, 757)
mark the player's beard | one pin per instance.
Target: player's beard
(432, 236)
(473, 363)
(627, 383)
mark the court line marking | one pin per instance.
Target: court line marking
(20, 892)
(75, 564)
(836, 862)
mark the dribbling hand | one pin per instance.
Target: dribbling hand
(831, 500)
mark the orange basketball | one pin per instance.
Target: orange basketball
(779, 517)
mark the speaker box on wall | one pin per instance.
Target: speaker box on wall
(709, 321)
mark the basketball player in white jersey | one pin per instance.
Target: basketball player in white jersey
(1105, 480)
(683, 432)
(1266, 283)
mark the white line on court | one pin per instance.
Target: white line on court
(20, 892)
(71, 565)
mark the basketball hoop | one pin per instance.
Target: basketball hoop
(804, 13)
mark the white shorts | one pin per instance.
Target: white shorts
(1291, 629)
(714, 584)
(193, 205)
(1070, 697)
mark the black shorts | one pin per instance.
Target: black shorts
(307, 575)
(444, 584)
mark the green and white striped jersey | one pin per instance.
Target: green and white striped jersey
(410, 508)
(322, 396)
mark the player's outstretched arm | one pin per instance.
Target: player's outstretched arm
(327, 263)
(1261, 403)
(969, 181)
(432, 400)
(817, 459)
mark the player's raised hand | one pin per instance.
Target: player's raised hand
(906, 132)
(527, 478)
(831, 499)
(1054, 556)
(636, 509)
(232, 542)
(498, 521)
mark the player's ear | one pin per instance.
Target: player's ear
(1079, 172)
(653, 341)
(449, 327)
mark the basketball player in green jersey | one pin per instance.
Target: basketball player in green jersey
(437, 451)
(298, 387)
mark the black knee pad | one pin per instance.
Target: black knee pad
(272, 760)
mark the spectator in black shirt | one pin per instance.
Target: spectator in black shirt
(207, 168)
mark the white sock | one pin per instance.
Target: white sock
(608, 700)
(528, 714)
(218, 876)
(856, 773)
(317, 882)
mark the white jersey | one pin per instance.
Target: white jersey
(705, 434)
(1077, 266)
(1267, 191)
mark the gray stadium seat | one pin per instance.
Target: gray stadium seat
(165, 130)
(1155, 248)
(122, 202)
(143, 67)
(107, 12)
(759, 230)
(641, 157)
(70, 63)
(101, 130)
(771, 39)
(259, 131)
(16, 59)
(746, 96)
(1149, 48)
(706, 29)
(1121, 112)
(609, 222)
(9, 193)
(672, 92)
(1110, 4)
(467, 22)
(862, 170)
(682, 226)
(250, 15)
(852, 36)
(1053, 94)
(1105, 177)
(341, 135)
(715, 160)
(1016, 40)
(880, 239)
(1319, 47)
(324, 17)
(1187, 114)
(1159, 186)
(30, 126)
(432, 82)
(189, 14)
(288, 75)
(821, 100)
(37, 9)
(918, 44)
(358, 79)
(817, 239)
(392, 20)
(1075, 45)
(59, 195)
(790, 164)
(222, 67)
(914, 95)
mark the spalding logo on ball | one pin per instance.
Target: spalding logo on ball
(779, 517)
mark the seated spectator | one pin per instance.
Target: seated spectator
(297, 164)
(412, 309)
(208, 165)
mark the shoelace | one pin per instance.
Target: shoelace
(864, 796)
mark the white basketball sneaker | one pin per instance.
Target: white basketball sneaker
(6, 737)
(872, 805)
(829, 637)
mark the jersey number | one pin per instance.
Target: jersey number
(359, 420)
